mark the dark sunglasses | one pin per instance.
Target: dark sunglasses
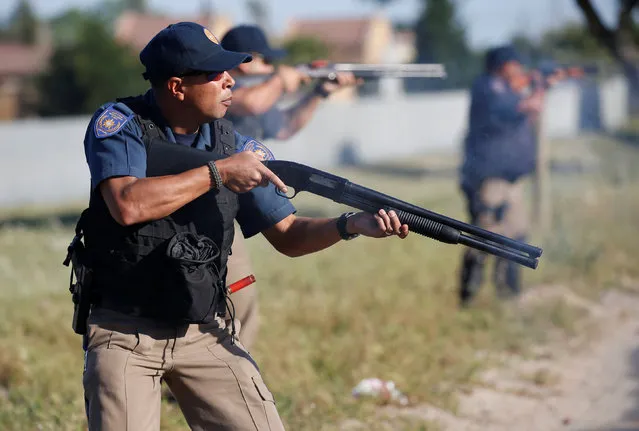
(261, 57)
(211, 76)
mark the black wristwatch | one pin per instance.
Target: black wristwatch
(341, 227)
(319, 91)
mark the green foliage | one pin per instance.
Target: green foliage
(527, 48)
(60, 92)
(137, 5)
(572, 42)
(441, 38)
(304, 50)
(89, 72)
(66, 27)
(23, 24)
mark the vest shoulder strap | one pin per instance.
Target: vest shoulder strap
(150, 130)
(142, 112)
(223, 134)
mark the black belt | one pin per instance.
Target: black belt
(134, 310)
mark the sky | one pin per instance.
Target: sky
(488, 21)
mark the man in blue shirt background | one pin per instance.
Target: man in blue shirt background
(499, 151)
(255, 113)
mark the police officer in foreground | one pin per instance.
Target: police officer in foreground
(254, 113)
(499, 152)
(157, 245)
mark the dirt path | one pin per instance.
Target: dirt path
(587, 384)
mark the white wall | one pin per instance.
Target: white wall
(42, 161)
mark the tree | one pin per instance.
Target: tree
(137, 5)
(304, 50)
(620, 41)
(527, 48)
(441, 38)
(93, 70)
(572, 43)
(60, 91)
(66, 27)
(260, 13)
(23, 25)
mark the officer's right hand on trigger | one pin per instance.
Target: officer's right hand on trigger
(244, 171)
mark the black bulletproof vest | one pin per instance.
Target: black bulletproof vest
(133, 272)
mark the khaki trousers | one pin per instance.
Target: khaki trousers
(245, 300)
(497, 206)
(216, 383)
(503, 208)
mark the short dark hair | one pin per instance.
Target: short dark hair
(158, 83)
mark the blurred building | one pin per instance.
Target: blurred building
(356, 40)
(20, 66)
(137, 29)
(371, 39)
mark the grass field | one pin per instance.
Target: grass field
(366, 308)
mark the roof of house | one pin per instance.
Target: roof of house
(137, 29)
(19, 59)
(343, 36)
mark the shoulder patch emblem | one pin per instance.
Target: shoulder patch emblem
(259, 149)
(110, 122)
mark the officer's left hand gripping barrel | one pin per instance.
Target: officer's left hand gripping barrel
(298, 177)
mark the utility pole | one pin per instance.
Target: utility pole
(542, 190)
(542, 203)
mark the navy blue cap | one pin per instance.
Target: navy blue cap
(497, 57)
(250, 38)
(185, 47)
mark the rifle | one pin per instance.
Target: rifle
(323, 70)
(577, 71)
(419, 220)
(329, 71)
(178, 158)
(568, 71)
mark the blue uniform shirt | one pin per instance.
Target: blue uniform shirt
(264, 126)
(123, 154)
(500, 141)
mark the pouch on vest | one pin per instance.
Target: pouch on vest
(191, 277)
